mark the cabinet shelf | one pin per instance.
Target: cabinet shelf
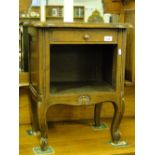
(79, 87)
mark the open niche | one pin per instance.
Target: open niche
(82, 68)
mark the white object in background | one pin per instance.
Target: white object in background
(106, 17)
(68, 10)
(43, 11)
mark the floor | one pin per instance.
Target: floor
(79, 138)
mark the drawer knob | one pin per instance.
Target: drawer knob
(86, 37)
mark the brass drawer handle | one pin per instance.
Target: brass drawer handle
(86, 36)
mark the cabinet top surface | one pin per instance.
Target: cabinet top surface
(77, 25)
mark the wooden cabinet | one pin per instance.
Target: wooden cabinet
(129, 12)
(115, 6)
(76, 64)
(112, 6)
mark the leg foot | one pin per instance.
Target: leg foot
(43, 143)
(116, 136)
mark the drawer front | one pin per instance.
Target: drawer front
(93, 35)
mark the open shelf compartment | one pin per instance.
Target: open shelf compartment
(82, 68)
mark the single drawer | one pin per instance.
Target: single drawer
(82, 35)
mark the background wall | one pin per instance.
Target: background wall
(90, 5)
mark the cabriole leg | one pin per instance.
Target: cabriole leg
(34, 115)
(43, 126)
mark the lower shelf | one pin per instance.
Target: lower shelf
(79, 87)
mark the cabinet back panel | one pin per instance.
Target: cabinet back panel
(80, 63)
